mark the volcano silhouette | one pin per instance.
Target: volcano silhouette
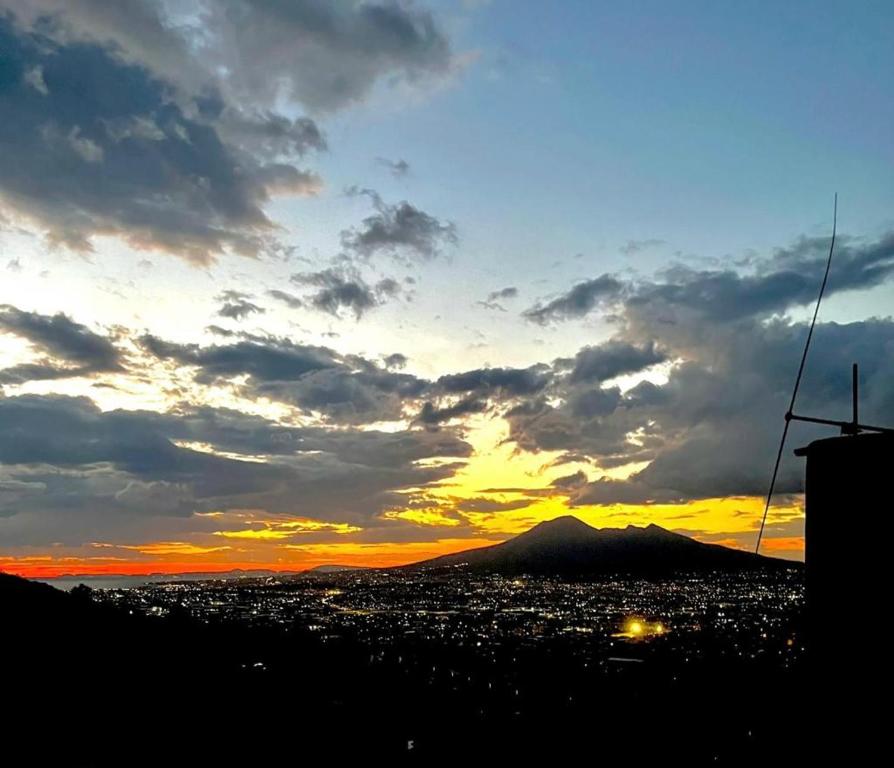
(568, 546)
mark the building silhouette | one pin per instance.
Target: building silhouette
(849, 505)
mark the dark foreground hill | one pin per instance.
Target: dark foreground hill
(91, 684)
(567, 546)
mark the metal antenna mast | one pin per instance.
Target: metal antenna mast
(791, 407)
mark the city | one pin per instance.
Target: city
(746, 615)
(403, 659)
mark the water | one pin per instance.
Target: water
(67, 583)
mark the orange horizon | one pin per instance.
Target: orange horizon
(44, 567)
(173, 569)
(47, 569)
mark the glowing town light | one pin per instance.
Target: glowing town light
(636, 629)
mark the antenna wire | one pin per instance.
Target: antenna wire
(791, 406)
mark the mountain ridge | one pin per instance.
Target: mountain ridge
(568, 546)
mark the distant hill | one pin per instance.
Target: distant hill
(335, 568)
(568, 546)
(68, 581)
(122, 581)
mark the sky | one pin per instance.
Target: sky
(293, 282)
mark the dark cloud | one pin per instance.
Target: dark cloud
(396, 360)
(399, 230)
(124, 120)
(338, 292)
(290, 300)
(790, 277)
(70, 349)
(504, 293)
(631, 491)
(236, 305)
(578, 302)
(96, 145)
(505, 382)
(609, 360)
(388, 287)
(218, 331)
(588, 422)
(345, 289)
(70, 432)
(398, 168)
(347, 388)
(726, 295)
(276, 360)
(727, 417)
(324, 54)
(346, 395)
(711, 430)
(457, 395)
(495, 297)
(590, 402)
(69, 469)
(270, 135)
(432, 416)
(343, 389)
(570, 482)
(137, 30)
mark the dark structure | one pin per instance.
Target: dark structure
(846, 476)
(848, 588)
(848, 574)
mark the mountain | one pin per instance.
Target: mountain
(335, 568)
(568, 546)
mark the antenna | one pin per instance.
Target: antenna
(852, 427)
(791, 407)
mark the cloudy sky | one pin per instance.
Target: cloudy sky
(286, 282)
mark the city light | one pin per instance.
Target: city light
(636, 628)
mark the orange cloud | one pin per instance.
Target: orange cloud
(171, 548)
(792, 545)
(276, 529)
(383, 555)
(431, 517)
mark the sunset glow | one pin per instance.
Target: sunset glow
(338, 306)
(467, 375)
